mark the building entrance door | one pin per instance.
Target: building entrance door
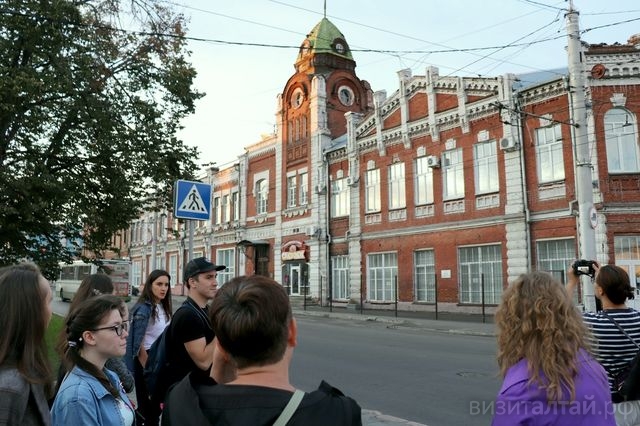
(295, 280)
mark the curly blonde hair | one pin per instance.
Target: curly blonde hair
(537, 321)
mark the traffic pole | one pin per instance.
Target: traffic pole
(587, 217)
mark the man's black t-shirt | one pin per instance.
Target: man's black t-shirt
(189, 323)
(191, 402)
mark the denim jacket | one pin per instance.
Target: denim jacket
(138, 322)
(83, 400)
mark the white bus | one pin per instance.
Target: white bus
(71, 275)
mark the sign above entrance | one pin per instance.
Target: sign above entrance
(294, 250)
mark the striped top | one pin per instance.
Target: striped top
(612, 348)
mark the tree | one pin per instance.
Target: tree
(88, 116)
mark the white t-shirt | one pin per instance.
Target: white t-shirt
(155, 328)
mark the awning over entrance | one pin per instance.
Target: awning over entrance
(245, 243)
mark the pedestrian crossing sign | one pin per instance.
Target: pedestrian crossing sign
(192, 200)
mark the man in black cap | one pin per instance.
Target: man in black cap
(191, 333)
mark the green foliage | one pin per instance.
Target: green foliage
(88, 117)
(55, 325)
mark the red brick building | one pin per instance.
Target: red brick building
(441, 192)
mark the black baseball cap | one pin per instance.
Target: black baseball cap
(198, 266)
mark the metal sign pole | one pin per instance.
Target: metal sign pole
(191, 230)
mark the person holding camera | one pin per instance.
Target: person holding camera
(615, 329)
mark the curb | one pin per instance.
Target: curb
(376, 418)
(428, 325)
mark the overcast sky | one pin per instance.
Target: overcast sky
(250, 47)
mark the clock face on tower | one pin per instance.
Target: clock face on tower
(345, 95)
(297, 98)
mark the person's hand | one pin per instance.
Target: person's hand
(572, 281)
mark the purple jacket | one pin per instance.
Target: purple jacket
(520, 403)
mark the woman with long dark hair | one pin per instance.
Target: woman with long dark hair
(90, 393)
(150, 316)
(91, 286)
(25, 374)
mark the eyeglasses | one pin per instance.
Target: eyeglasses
(119, 329)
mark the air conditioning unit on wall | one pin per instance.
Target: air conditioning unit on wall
(433, 161)
(508, 144)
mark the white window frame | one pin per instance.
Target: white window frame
(262, 195)
(621, 139)
(424, 275)
(549, 154)
(304, 188)
(372, 191)
(554, 255)
(340, 277)
(397, 184)
(423, 182)
(474, 262)
(217, 212)
(226, 257)
(382, 273)
(173, 269)
(485, 166)
(452, 174)
(292, 190)
(339, 198)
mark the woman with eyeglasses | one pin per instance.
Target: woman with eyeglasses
(91, 286)
(91, 394)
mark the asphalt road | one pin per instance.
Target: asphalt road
(437, 379)
(426, 377)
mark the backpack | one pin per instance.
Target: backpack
(158, 374)
(156, 370)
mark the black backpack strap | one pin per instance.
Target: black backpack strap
(610, 318)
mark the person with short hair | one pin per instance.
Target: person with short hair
(91, 394)
(613, 349)
(149, 317)
(255, 338)
(190, 334)
(543, 354)
(25, 374)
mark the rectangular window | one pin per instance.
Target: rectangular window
(554, 256)
(425, 275)
(397, 197)
(485, 165)
(339, 198)
(452, 174)
(303, 179)
(226, 209)
(173, 269)
(217, 212)
(382, 273)
(340, 277)
(235, 200)
(227, 258)
(424, 182)
(627, 252)
(262, 194)
(291, 191)
(372, 191)
(549, 154)
(480, 270)
(136, 273)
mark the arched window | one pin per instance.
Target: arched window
(623, 152)
(262, 193)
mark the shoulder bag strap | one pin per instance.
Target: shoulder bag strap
(620, 328)
(290, 409)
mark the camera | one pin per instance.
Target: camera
(584, 267)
